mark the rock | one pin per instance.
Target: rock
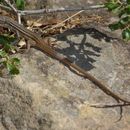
(48, 96)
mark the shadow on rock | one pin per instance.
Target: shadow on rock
(84, 53)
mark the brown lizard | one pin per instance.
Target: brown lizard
(41, 44)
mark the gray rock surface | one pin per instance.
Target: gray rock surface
(48, 96)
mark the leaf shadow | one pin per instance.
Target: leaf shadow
(84, 53)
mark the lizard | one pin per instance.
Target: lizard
(41, 44)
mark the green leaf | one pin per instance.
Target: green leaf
(126, 34)
(127, 9)
(6, 39)
(111, 5)
(12, 66)
(128, 1)
(7, 47)
(117, 10)
(20, 4)
(10, 63)
(115, 26)
(3, 53)
(5, 42)
(1, 1)
(12, 69)
(15, 61)
(122, 8)
(125, 20)
(122, 12)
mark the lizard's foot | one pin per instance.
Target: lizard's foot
(23, 46)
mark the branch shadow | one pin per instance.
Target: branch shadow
(113, 106)
(84, 54)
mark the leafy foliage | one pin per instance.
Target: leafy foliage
(122, 9)
(20, 4)
(6, 60)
